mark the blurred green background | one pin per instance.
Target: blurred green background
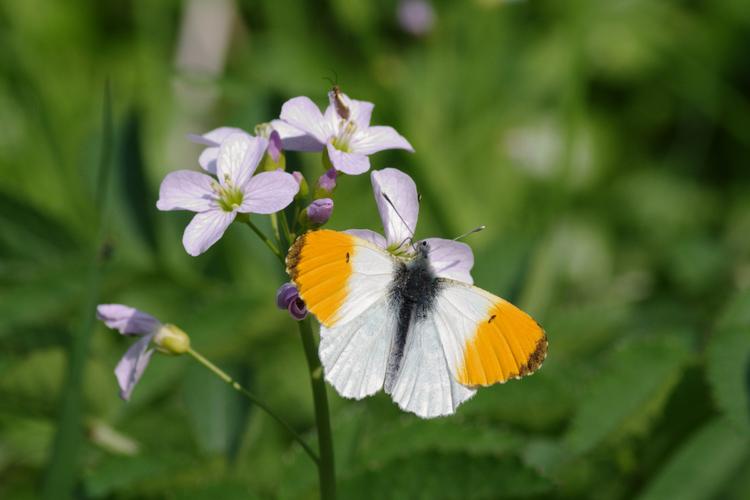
(604, 144)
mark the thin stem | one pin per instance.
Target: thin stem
(266, 240)
(326, 469)
(285, 228)
(275, 227)
(260, 404)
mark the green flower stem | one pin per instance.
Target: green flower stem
(285, 228)
(326, 469)
(265, 239)
(260, 404)
(275, 227)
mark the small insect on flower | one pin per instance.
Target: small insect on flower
(130, 321)
(403, 316)
(236, 191)
(344, 131)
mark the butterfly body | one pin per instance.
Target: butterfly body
(392, 322)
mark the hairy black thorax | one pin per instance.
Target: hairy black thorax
(412, 295)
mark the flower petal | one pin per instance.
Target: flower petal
(186, 190)
(131, 366)
(239, 156)
(303, 114)
(400, 222)
(205, 229)
(294, 139)
(374, 139)
(127, 320)
(214, 137)
(371, 236)
(269, 192)
(207, 159)
(451, 259)
(349, 163)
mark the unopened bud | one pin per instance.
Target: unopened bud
(274, 158)
(319, 211)
(172, 340)
(326, 183)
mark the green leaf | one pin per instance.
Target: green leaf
(634, 386)
(438, 476)
(728, 358)
(700, 468)
(218, 413)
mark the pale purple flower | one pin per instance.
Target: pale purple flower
(130, 321)
(320, 210)
(348, 138)
(449, 259)
(287, 297)
(237, 190)
(416, 16)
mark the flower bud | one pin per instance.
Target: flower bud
(319, 211)
(304, 189)
(274, 158)
(326, 183)
(172, 340)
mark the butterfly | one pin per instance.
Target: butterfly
(388, 321)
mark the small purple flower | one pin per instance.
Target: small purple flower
(327, 181)
(237, 190)
(416, 17)
(449, 259)
(349, 139)
(319, 211)
(287, 297)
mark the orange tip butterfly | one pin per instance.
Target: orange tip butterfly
(389, 322)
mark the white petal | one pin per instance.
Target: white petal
(205, 229)
(349, 163)
(269, 192)
(374, 139)
(451, 259)
(302, 113)
(294, 139)
(239, 156)
(207, 159)
(371, 236)
(400, 222)
(186, 190)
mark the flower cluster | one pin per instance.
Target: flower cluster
(242, 174)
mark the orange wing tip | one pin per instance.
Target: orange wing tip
(536, 359)
(508, 344)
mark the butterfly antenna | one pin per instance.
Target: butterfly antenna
(475, 230)
(385, 196)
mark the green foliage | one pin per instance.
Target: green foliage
(604, 145)
(728, 359)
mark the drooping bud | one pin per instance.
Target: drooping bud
(288, 298)
(319, 211)
(172, 340)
